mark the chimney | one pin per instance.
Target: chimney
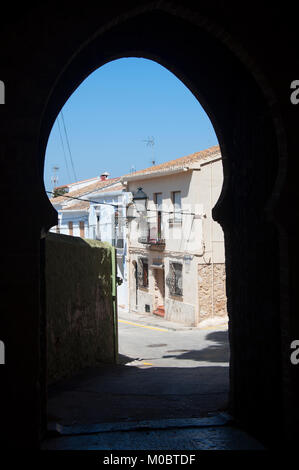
(104, 176)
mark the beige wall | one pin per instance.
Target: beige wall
(199, 236)
(207, 184)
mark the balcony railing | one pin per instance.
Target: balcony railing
(154, 238)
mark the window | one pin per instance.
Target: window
(81, 225)
(174, 279)
(57, 229)
(142, 272)
(177, 208)
(70, 224)
(118, 235)
(98, 227)
(158, 202)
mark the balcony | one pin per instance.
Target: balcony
(153, 240)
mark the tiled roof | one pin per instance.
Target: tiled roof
(77, 206)
(77, 182)
(118, 187)
(86, 190)
(178, 162)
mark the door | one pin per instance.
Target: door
(159, 295)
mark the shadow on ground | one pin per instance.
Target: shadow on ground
(113, 393)
(218, 352)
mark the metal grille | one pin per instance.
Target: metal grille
(174, 279)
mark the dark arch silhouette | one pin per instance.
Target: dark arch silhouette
(245, 114)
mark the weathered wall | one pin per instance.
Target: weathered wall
(211, 291)
(79, 305)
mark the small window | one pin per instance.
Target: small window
(97, 229)
(175, 279)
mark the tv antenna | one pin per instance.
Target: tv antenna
(150, 142)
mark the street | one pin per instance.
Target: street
(162, 374)
(167, 392)
(155, 346)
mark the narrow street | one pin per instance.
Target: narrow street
(162, 373)
(157, 346)
(168, 392)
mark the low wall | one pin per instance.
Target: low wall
(81, 323)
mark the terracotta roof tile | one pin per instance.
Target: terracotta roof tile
(76, 182)
(118, 187)
(77, 206)
(86, 190)
(192, 158)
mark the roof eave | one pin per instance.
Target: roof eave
(155, 174)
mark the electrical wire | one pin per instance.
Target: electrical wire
(119, 205)
(68, 145)
(63, 149)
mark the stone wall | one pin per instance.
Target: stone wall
(79, 308)
(212, 301)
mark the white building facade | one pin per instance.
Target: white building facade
(176, 262)
(97, 211)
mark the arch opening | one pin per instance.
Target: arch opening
(171, 268)
(244, 126)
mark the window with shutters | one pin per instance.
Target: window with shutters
(142, 272)
(175, 279)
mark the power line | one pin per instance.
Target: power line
(63, 149)
(87, 200)
(119, 205)
(68, 145)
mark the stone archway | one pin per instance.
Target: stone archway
(242, 110)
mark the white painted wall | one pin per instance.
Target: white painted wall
(102, 205)
(197, 236)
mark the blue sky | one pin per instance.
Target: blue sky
(114, 110)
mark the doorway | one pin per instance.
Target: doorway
(159, 292)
